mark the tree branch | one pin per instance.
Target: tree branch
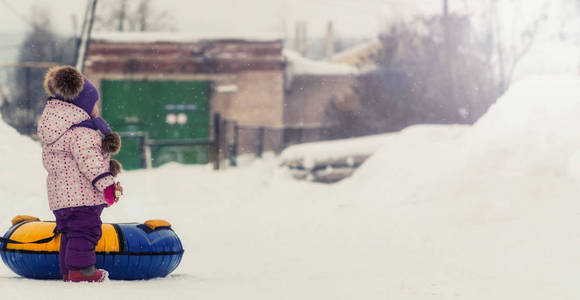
(518, 57)
(3, 96)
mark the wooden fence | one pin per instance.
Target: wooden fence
(230, 139)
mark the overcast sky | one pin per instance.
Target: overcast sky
(350, 17)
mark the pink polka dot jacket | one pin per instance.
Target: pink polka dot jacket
(78, 169)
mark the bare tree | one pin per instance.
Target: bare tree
(3, 93)
(414, 82)
(123, 15)
(507, 40)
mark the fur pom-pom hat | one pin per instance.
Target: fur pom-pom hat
(68, 84)
(115, 167)
(112, 143)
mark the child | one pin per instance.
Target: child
(80, 170)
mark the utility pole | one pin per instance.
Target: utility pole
(301, 38)
(86, 34)
(30, 127)
(329, 49)
(79, 34)
(121, 27)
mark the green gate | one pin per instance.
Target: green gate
(166, 116)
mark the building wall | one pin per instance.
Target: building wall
(309, 95)
(259, 100)
(254, 69)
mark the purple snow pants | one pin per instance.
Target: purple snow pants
(80, 229)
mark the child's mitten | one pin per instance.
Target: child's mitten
(112, 143)
(110, 194)
(115, 167)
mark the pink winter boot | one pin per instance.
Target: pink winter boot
(89, 274)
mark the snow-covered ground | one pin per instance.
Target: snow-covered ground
(490, 211)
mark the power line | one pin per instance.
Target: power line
(9, 47)
(366, 10)
(29, 64)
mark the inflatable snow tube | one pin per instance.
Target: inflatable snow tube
(129, 251)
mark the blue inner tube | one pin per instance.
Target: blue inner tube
(134, 251)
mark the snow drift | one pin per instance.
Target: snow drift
(22, 177)
(488, 211)
(527, 137)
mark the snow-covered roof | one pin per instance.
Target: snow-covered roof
(310, 155)
(300, 65)
(356, 49)
(181, 37)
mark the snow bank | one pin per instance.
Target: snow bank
(310, 155)
(329, 161)
(527, 139)
(22, 177)
(489, 211)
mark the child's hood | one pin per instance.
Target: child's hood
(57, 118)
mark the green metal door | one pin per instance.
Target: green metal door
(169, 113)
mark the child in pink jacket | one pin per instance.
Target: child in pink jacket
(81, 173)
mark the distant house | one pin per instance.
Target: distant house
(162, 91)
(168, 86)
